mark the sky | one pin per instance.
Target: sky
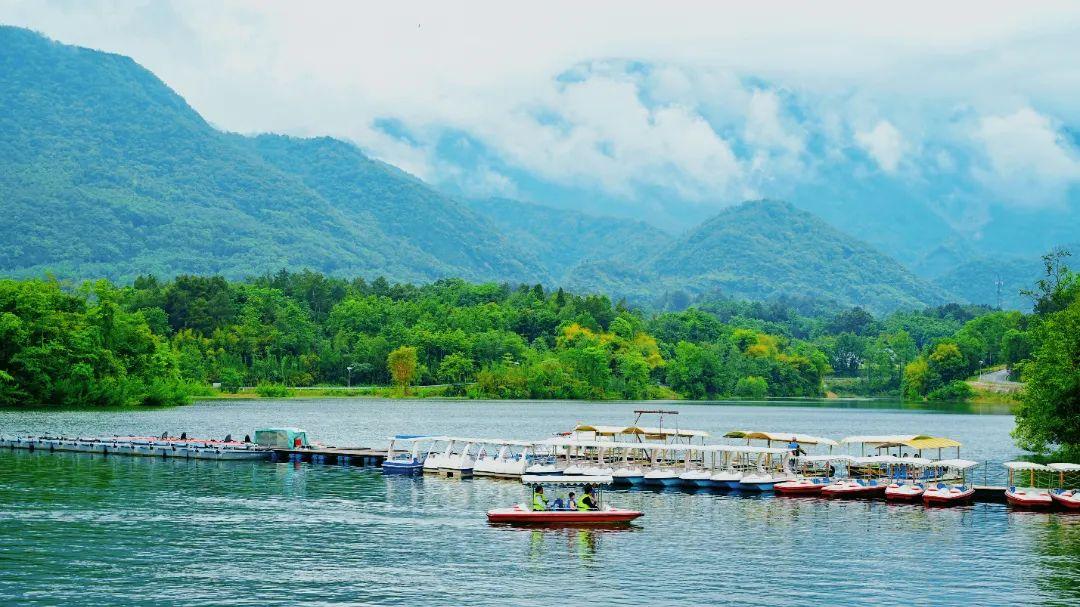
(663, 111)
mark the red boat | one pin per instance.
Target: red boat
(555, 512)
(1030, 496)
(904, 492)
(802, 486)
(944, 496)
(1068, 499)
(854, 488)
(520, 515)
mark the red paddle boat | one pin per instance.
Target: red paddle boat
(945, 494)
(1066, 498)
(557, 512)
(1027, 497)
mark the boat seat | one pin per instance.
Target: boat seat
(941, 486)
(873, 482)
(961, 487)
(1012, 488)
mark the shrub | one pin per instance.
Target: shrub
(268, 390)
(954, 391)
(751, 387)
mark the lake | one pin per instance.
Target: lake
(80, 529)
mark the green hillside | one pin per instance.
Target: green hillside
(105, 171)
(765, 249)
(562, 239)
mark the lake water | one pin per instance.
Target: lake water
(78, 529)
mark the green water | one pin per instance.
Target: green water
(79, 529)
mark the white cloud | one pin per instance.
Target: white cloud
(1028, 160)
(884, 144)
(703, 118)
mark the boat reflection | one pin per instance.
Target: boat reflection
(581, 542)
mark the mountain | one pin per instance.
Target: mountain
(562, 239)
(763, 249)
(105, 171)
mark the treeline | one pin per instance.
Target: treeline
(155, 341)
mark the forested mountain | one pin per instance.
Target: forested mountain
(563, 239)
(105, 171)
(763, 249)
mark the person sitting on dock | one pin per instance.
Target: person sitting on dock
(587, 502)
(538, 503)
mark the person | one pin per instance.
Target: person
(795, 449)
(538, 503)
(228, 438)
(183, 436)
(247, 438)
(571, 503)
(587, 502)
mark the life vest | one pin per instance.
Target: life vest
(538, 502)
(586, 503)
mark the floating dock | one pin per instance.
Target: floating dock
(345, 456)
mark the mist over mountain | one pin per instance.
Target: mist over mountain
(107, 172)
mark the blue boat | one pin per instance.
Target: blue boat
(410, 461)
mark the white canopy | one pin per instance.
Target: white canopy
(960, 464)
(560, 479)
(1024, 466)
(809, 459)
(804, 439)
(890, 459)
(1064, 467)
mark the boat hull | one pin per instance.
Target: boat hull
(903, 493)
(940, 497)
(853, 491)
(798, 488)
(520, 516)
(1070, 500)
(408, 468)
(1028, 500)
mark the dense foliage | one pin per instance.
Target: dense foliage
(1049, 416)
(303, 329)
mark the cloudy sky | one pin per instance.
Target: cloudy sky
(667, 111)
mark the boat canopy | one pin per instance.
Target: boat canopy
(1025, 466)
(914, 441)
(810, 459)
(959, 464)
(282, 438)
(560, 479)
(655, 433)
(1063, 467)
(415, 437)
(805, 439)
(890, 459)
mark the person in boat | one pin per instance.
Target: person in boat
(247, 438)
(228, 438)
(587, 501)
(538, 502)
(795, 449)
(571, 502)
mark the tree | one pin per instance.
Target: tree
(751, 387)
(947, 363)
(456, 368)
(1057, 287)
(402, 364)
(1015, 346)
(1049, 414)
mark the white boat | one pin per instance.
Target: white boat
(505, 459)
(909, 476)
(944, 494)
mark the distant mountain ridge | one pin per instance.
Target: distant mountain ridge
(763, 249)
(108, 172)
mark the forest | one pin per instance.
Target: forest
(160, 342)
